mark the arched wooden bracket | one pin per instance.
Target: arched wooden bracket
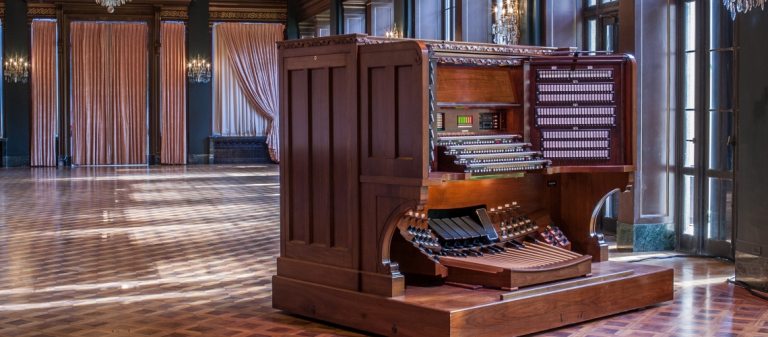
(593, 231)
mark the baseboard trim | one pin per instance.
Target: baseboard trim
(197, 159)
(16, 161)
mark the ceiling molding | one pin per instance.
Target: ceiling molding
(37, 10)
(174, 13)
(309, 8)
(92, 2)
(240, 10)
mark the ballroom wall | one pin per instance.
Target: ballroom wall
(751, 144)
(198, 16)
(16, 103)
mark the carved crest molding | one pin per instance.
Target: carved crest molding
(41, 12)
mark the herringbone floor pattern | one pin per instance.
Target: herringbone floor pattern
(189, 251)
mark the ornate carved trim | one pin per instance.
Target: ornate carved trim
(358, 39)
(477, 60)
(249, 15)
(44, 12)
(174, 14)
(444, 46)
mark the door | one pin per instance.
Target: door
(706, 129)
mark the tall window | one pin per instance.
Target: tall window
(436, 19)
(601, 25)
(449, 20)
(382, 17)
(427, 19)
(476, 20)
(705, 132)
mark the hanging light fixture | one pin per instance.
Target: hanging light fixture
(506, 28)
(15, 70)
(199, 71)
(742, 6)
(111, 4)
(393, 32)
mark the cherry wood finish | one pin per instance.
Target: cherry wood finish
(355, 121)
(623, 133)
(469, 85)
(455, 311)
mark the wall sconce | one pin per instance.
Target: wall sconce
(15, 70)
(199, 71)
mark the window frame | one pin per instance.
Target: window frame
(700, 172)
(602, 11)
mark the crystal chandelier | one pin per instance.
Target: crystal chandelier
(111, 4)
(393, 32)
(506, 28)
(15, 70)
(742, 6)
(199, 71)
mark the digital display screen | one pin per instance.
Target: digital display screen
(464, 121)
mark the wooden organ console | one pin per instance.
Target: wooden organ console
(433, 188)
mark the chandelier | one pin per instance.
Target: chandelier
(393, 32)
(15, 70)
(505, 29)
(111, 4)
(199, 71)
(742, 6)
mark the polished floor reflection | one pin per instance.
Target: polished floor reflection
(189, 251)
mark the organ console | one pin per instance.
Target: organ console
(433, 188)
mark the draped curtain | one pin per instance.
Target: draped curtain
(173, 94)
(233, 113)
(109, 93)
(43, 81)
(251, 50)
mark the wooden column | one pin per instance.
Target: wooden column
(154, 88)
(63, 141)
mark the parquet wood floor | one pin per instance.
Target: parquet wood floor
(189, 251)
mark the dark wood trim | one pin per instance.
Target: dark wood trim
(337, 17)
(64, 145)
(457, 16)
(154, 88)
(37, 10)
(66, 14)
(219, 12)
(174, 13)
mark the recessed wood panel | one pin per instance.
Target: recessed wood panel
(299, 171)
(344, 179)
(530, 192)
(407, 133)
(381, 112)
(322, 158)
(479, 84)
(321, 164)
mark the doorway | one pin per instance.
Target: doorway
(706, 129)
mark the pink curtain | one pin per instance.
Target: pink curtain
(44, 94)
(252, 50)
(173, 94)
(109, 93)
(234, 114)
